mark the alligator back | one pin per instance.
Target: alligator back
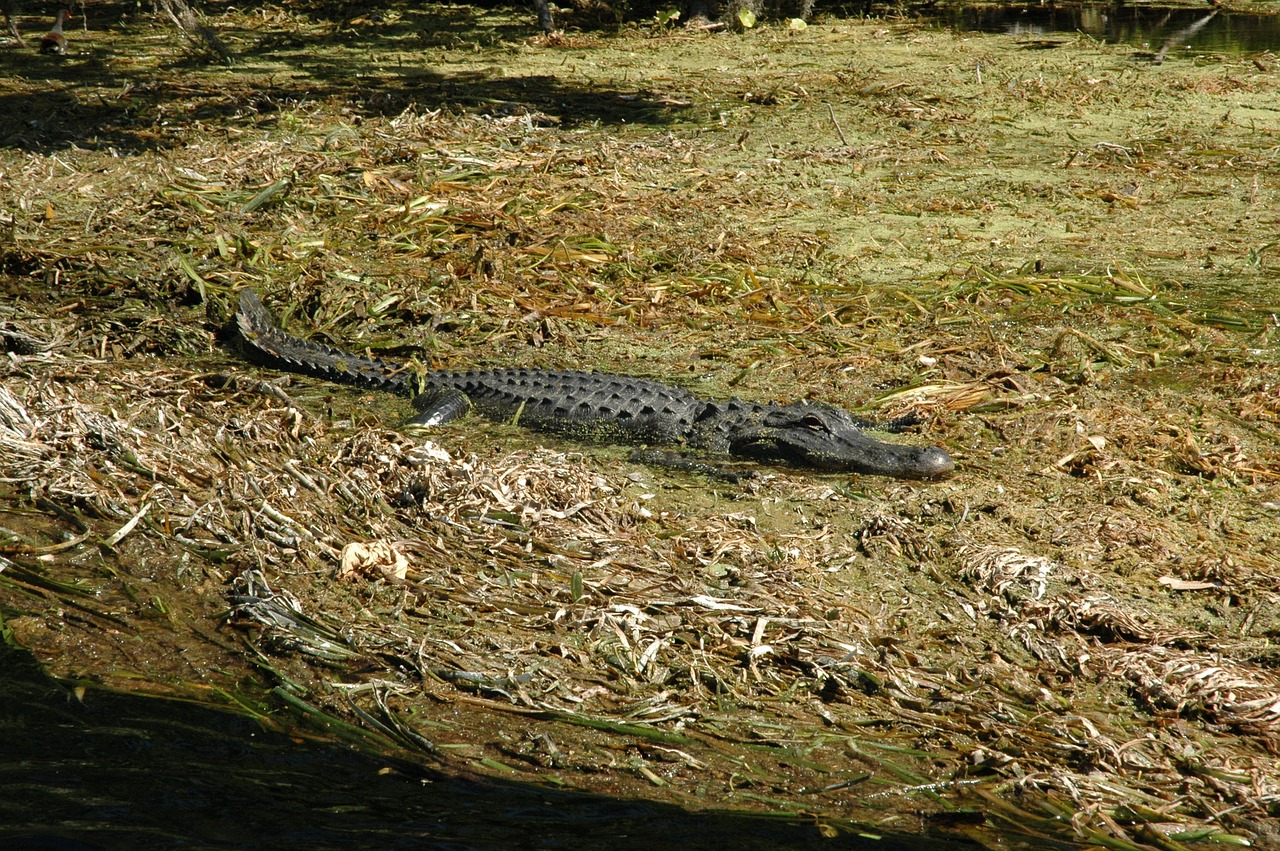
(584, 405)
(590, 406)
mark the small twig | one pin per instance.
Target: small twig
(128, 527)
(306, 481)
(839, 132)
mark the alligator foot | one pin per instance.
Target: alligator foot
(438, 407)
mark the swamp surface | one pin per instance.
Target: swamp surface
(1061, 256)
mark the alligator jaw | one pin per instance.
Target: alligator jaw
(856, 454)
(826, 438)
(908, 462)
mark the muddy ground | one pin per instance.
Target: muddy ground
(1061, 256)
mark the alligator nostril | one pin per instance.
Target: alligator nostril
(935, 463)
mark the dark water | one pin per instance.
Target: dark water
(1178, 32)
(117, 772)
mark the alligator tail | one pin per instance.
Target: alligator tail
(264, 336)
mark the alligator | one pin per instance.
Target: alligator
(603, 408)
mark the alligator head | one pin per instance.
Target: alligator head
(808, 434)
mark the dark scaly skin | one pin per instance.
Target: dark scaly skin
(603, 408)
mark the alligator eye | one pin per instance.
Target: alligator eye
(814, 423)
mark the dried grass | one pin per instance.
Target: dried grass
(537, 585)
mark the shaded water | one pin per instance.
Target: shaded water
(1171, 31)
(127, 772)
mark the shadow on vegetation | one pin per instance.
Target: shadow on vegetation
(373, 63)
(120, 771)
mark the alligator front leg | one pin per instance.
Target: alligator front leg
(438, 407)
